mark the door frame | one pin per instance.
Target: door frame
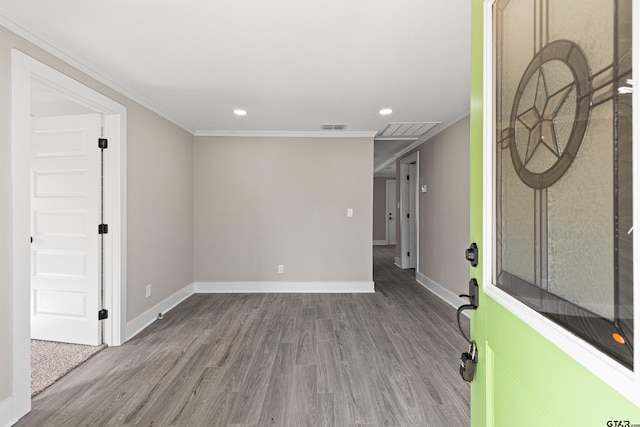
(25, 71)
(389, 183)
(405, 227)
(623, 380)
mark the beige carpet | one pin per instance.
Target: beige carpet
(51, 360)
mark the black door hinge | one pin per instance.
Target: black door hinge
(408, 215)
(103, 314)
(407, 177)
(102, 143)
(408, 253)
(103, 229)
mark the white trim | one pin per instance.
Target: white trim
(380, 242)
(138, 324)
(284, 287)
(115, 278)
(398, 262)
(623, 380)
(634, 390)
(21, 78)
(8, 412)
(426, 137)
(440, 291)
(288, 134)
(25, 70)
(401, 138)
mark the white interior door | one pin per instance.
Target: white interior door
(391, 212)
(413, 217)
(65, 213)
(409, 211)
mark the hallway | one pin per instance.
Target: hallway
(389, 358)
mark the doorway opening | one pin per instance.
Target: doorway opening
(66, 251)
(37, 87)
(67, 174)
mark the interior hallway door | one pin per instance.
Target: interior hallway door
(65, 213)
(391, 211)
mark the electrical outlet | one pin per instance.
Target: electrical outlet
(148, 291)
(280, 268)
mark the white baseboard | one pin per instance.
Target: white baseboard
(380, 243)
(440, 291)
(398, 262)
(8, 416)
(136, 325)
(284, 287)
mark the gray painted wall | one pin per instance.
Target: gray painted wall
(444, 208)
(260, 202)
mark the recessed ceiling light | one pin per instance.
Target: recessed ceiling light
(386, 111)
(240, 112)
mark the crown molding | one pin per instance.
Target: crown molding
(15, 26)
(288, 134)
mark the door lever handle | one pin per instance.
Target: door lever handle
(473, 295)
(473, 304)
(469, 359)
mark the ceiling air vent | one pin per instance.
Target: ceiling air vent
(333, 126)
(405, 130)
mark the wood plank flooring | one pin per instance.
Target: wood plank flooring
(383, 359)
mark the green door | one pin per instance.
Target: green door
(554, 327)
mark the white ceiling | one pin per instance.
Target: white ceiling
(292, 64)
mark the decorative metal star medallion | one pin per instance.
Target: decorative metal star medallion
(539, 119)
(539, 154)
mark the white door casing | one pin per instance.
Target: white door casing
(26, 72)
(65, 213)
(391, 211)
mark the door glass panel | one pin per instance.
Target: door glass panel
(563, 164)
